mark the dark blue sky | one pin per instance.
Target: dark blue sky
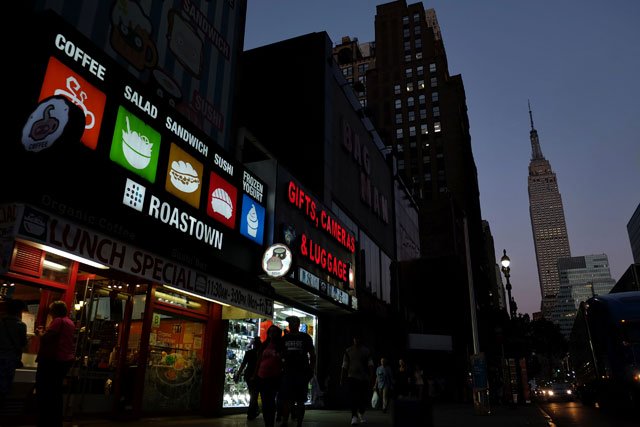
(577, 61)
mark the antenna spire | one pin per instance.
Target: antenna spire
(536, 152)
(530, 114)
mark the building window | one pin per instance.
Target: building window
(420, 70)
(423, 114)
(407, 46)
(400, 148)
(399, 133)
(434, 97)
(398, 119)
(398, 104)
(363, 102)
(427, 177)
(432, 67)
(437, 127)
(406, 33)
(420, 84)
(362, 68)
(408, 73)
(410, 87)
(347, 71)
(405, 20)
(422, 99)
(410, 102)
(434, 81)
(407, 58)
(424, 129)
(401, 164)
(436, 111)
(411, 116)
(418, 44)
(412, 131)
(419, 55)
(416, 17)
(416, 30)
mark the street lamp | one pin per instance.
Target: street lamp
(505, 261)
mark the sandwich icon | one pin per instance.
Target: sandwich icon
(184, 177)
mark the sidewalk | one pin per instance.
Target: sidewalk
(444, 415)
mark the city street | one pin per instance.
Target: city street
(575, 414)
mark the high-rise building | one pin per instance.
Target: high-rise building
(420, 112)
(548, 224)
(581, 277)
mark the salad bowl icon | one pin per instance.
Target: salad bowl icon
(136, 147)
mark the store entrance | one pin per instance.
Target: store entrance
(109, 316)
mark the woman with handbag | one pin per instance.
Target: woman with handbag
(55, 357)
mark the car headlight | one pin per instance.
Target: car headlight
(569, 392)
(550, 392)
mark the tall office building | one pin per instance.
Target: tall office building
(581, 277)
(420, 112)
(547, 221)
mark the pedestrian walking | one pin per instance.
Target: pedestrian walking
(269, 373)
(384, 383)
(403, 379)
(418, 381)
(55, 357)
(13, 339)
(358, 372)
(299, 368)
(247, 371)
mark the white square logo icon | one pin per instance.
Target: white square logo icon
(134, 195)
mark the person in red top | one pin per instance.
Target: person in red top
(269, 373)
(55, 357)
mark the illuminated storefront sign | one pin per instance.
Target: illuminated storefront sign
(323, 258)
(276, 261)
(150, 169)
(58, 233)
(320, 217)
(61, 80)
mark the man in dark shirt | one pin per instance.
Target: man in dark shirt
(299, 368)
(248, 371)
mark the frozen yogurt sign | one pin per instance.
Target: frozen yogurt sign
(276, 261)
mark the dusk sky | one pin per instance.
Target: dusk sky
(577, 61)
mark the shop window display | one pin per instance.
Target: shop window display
(241, 333)
(174, 370)
(239, 338)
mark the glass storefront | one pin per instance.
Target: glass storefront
(239, 337)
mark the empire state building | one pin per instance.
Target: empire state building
(547, 222)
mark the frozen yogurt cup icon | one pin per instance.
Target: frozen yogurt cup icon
(136, 147)
(33, 224)
(184, 177)
(221, 203)
(252, 221)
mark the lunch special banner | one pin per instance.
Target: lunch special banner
(35, 225)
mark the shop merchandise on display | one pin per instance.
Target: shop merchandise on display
(239, 338)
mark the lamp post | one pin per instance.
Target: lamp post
(506, 270)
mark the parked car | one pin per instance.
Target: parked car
(558, 392)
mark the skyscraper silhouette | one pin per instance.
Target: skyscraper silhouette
(547, 221)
